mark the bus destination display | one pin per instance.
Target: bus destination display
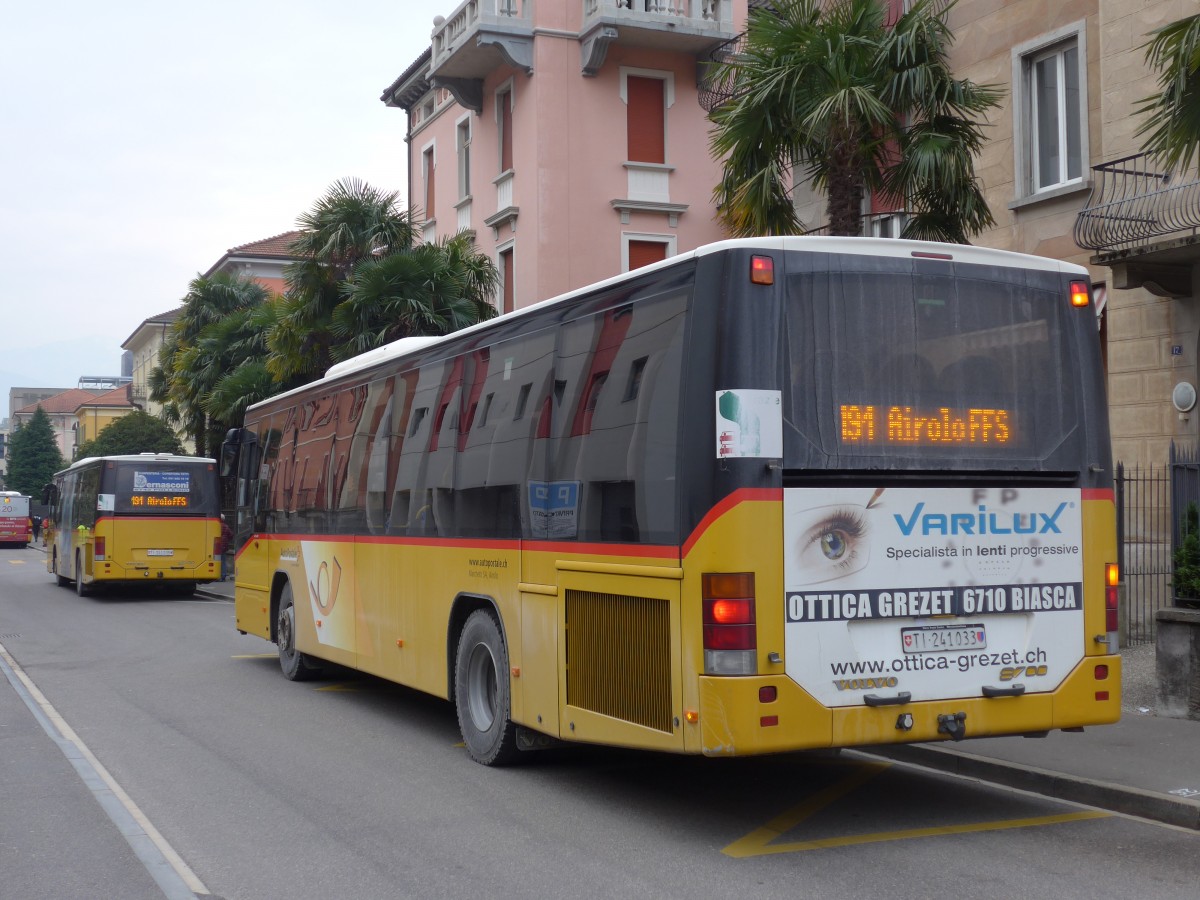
(944, 426)
(161, 490)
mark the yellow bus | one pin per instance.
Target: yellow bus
(139, 519)
(767, 495)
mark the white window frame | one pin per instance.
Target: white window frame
(668, 79)
(505, 87)
(463, 148)
(428, 150)
(1025, 134)
(504, 247)
(649, 238)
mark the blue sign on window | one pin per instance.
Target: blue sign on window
(162, 482)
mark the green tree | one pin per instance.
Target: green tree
(829, 93)
(428, 290)
(137, 432)
(1171, 126)
(362, 282)
(350, 223)
(33, 455)
(219, 330)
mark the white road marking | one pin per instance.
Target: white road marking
(173, 876)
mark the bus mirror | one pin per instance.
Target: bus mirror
(48, 495)
(228, 459)
(238, 441)
(229, 451)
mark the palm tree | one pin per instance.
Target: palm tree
(827, 92)
(363, 282)
(431, 289)
(351, 222)
(197, 354)
(1172, 116)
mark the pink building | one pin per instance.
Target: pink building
(568, 136)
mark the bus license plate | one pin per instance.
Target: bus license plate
(932, 638)
(160, 552)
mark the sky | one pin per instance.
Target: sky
(141, 140)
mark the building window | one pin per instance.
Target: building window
(427, 173)
(1051, 109)
(1054, 93)
(645, 117)
(504, 126)
(463, 141)
(639, 250)
(507, 280)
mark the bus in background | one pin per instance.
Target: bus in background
(139, 519)
(16, 527)
(768, 495)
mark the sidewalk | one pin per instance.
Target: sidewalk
(1144, 765)
(1131, 767)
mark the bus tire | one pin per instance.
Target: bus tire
(61, 579)
(296, 666)
(81, 589)
(482, 691)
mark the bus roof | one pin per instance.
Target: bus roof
(137, 457)
(893, 247)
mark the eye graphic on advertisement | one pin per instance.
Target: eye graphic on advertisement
(832, 543)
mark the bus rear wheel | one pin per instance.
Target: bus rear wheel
(296, 666)
(482, 691)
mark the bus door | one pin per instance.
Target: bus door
(243, 459)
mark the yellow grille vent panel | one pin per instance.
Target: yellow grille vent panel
(619, 657)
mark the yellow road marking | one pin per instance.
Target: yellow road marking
(255, 656)
(759, 841)
(16, 562)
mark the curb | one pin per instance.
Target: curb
(1177, 811)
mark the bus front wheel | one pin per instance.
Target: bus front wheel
(296, 666)
(482, 691)
(61, 579)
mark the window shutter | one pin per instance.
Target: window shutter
(642, 253)
(646, 119)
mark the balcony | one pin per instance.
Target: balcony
(481, 35)
(688, 26)
(1143, 224)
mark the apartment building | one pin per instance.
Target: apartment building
(568, 136)
(571, 138)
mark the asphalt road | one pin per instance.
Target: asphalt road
(354, 788)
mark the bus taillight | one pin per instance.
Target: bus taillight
(1081, 294)
(1112, 578)
(98, 548)
(762, 270)
(730, 635)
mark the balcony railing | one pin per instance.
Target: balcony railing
(702, 10)
(713, 88)
(1132, 204)
(690, 26)
(461, 42)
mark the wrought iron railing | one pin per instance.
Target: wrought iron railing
(714, 86)
(1132, 203)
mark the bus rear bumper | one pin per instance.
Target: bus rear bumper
(733, 720)
(106, 571)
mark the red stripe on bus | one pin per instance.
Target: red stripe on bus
(182, 518)
(744, 495)
(646, 551)
(1098, 494)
